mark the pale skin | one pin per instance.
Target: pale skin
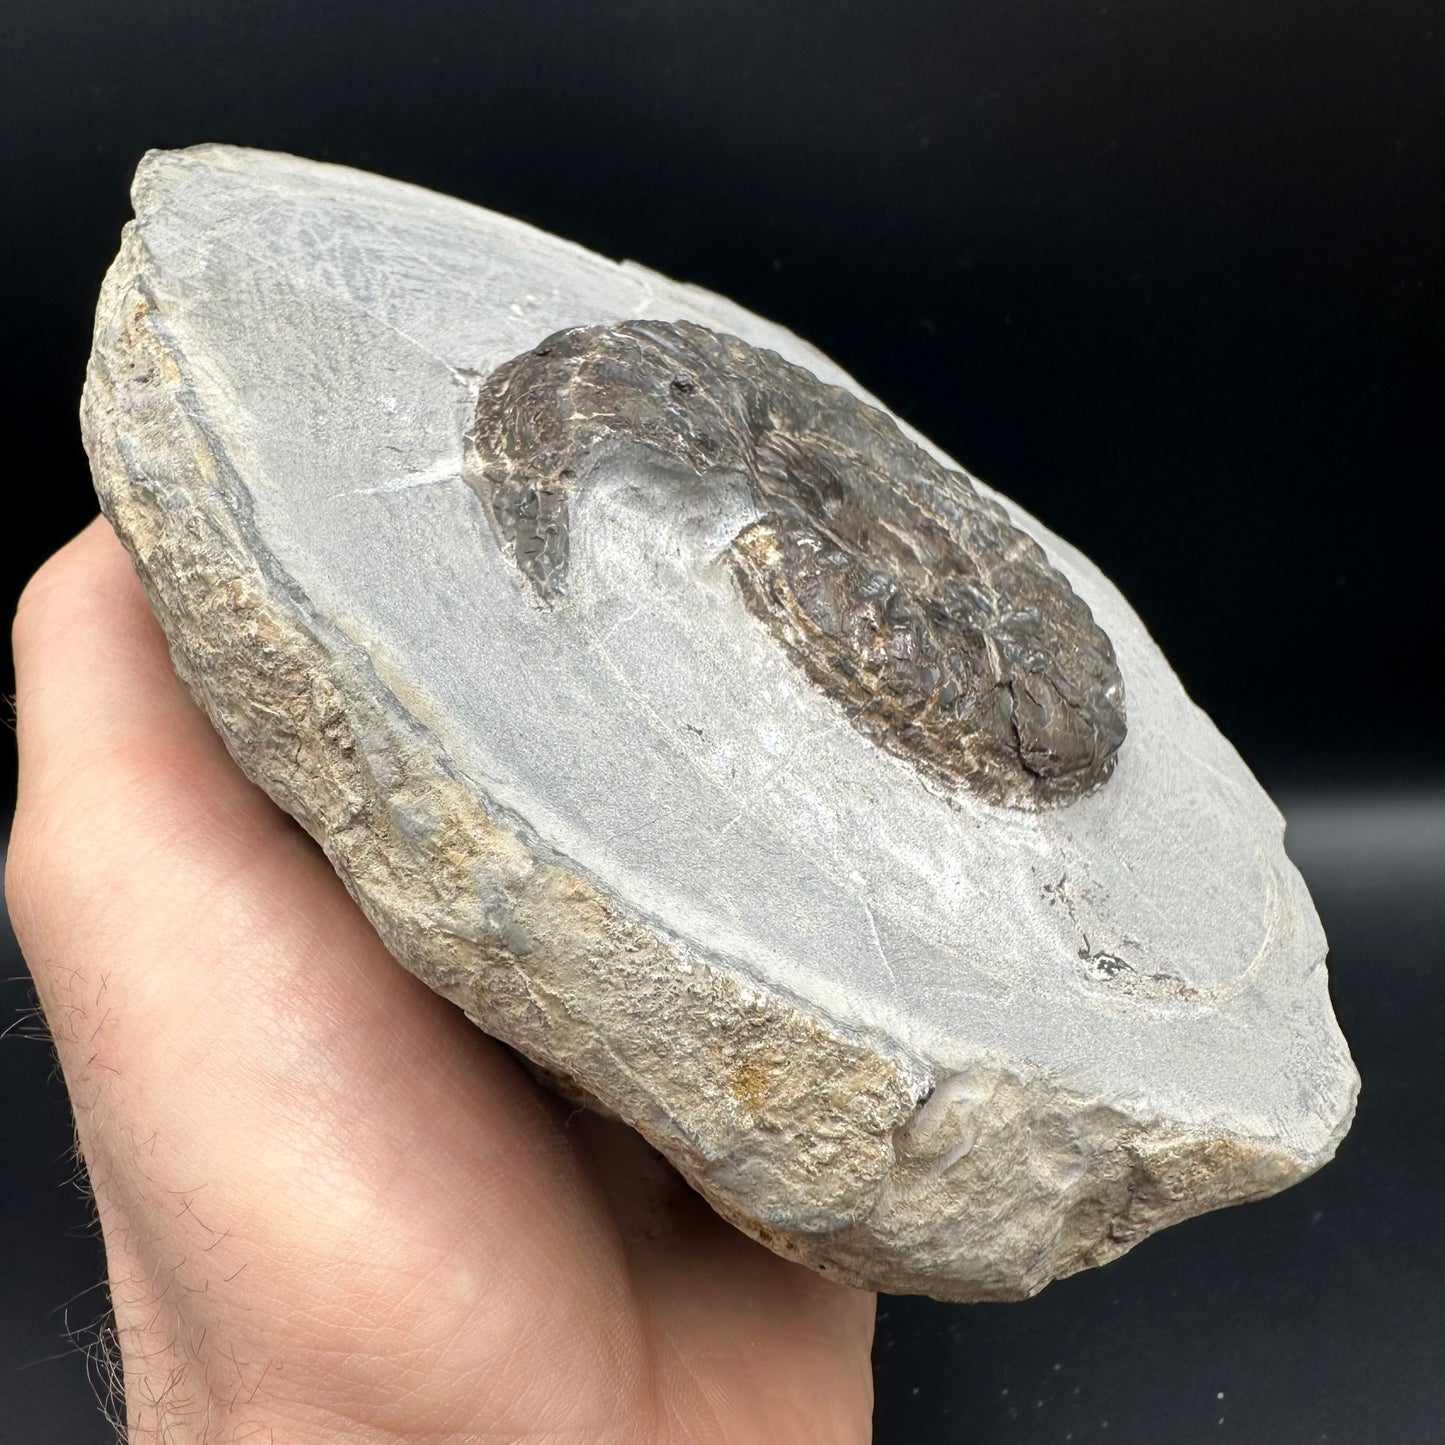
(333, 1209)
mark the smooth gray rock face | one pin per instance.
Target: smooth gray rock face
(718, 745)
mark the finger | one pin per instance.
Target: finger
(125, 792)
(226, 1017)
(132, 819)
(97, 701)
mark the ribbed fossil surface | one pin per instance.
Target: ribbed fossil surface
(706, 734)
(899, 589)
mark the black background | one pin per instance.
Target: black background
(1167, 274)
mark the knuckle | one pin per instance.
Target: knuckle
(56, 887)
(47, 584)
(20, 877)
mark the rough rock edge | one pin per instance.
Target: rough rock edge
(829, 1145)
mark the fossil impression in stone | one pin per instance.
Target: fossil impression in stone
(706, 735)
(903, 593)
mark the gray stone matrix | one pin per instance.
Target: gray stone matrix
(894, 1029)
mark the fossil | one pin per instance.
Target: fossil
(764, 781)
(936, 623)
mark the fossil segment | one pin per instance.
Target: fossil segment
(896, 1031)
(937, 624)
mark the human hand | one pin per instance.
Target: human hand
(332, 1208)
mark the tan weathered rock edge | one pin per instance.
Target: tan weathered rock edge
(831, 1146)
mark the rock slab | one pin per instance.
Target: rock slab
(866, 856)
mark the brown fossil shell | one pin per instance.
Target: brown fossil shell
(903, 593)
